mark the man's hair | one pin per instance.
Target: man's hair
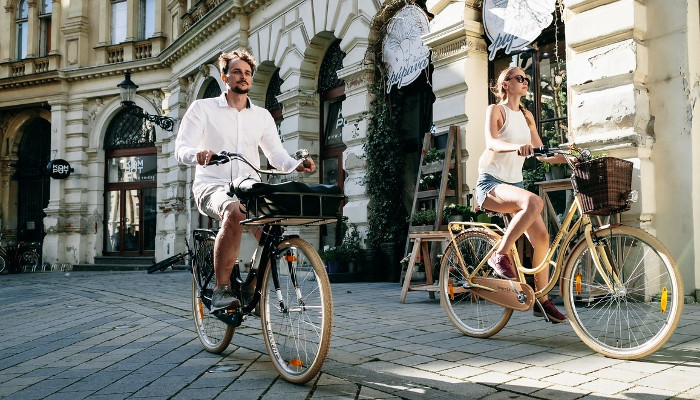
(226, 58)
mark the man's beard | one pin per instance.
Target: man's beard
(238, 90)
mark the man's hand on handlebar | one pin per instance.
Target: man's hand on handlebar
(307, 166)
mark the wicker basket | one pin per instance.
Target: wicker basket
(604, 184)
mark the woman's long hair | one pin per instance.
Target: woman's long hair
(502, 95)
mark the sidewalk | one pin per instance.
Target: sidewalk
(119, 335)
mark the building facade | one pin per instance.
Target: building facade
(632, 83)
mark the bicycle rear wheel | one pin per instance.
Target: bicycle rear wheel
(29, 261)
(297, 319)
(468, 312)
(214, 334)
(2, 264)
(634, 317)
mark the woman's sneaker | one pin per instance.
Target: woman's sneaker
(552, 313)
(501, 266)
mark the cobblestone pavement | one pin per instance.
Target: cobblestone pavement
(119, 335)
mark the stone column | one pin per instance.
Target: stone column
(358, 79)
(608, 89)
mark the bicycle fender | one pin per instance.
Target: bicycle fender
(506, 293)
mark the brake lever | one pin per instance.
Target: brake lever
(218, 159)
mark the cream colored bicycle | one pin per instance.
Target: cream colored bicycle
(620, 285)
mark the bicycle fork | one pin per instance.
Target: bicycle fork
(602, 261)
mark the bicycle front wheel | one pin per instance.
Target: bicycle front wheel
(297, 317)
(468, 312)
(214, 334)
(29, 261)
(631, 311)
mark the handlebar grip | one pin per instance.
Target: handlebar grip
(221, 158)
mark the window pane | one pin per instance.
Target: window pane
(22, 40)
(118, 22)
(334, 123)
(131, 169)
(147, 18)
(46, 7)
(22, 10)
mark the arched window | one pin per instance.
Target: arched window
(22, 30)
(118, 22)
(45, 10)
(274, 89)
(213, 89)
(128, 130)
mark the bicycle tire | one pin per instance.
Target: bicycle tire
(214, 334)
(469, 313)
(164, 264)
(297, 336)
(632, 320)
(2, 264)
(29, 261)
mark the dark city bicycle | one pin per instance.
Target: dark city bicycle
(287, 284)
(20, 257)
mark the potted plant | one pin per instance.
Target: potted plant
(457, 212)
(434, 155)
(349, 250)
(330, 258)
(423, 217)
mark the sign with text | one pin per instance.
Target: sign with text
(404, 54)
(59, 169)
(132, 169)
(514, 24)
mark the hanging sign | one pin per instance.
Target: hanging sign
(514, 24)
(404, 54)
(59, 169)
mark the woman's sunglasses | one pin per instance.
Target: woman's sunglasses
(520, 79)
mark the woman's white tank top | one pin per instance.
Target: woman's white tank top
(507, 167)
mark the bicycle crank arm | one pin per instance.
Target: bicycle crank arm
(506, 293)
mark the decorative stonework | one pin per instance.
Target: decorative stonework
(455, 47)
(95, 110)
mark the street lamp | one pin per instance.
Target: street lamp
(127, 91)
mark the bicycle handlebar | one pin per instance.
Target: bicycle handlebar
(545, 151)
(225, 156)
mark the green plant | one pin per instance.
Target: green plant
(423, 217)
(329, 254)
(385, 167)
(457, 209)
(349, 249)
(433, 155)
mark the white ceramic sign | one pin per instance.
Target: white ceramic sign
(403, 52)
(514, 24)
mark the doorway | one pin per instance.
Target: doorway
(130, 205)
(32, 182)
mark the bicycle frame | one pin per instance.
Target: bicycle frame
(569, 229)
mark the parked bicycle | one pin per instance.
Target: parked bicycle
(287, 281)
(171, 261)
(21, 257)
(620, 285)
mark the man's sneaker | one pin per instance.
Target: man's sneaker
(223, 298)
(501, 266)
(552, 313)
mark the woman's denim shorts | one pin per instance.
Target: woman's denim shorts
(486, 183)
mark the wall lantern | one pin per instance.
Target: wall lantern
(127, 91)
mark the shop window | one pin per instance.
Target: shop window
(330, 165)
(118, 21)
(545, 62)
(22, 27)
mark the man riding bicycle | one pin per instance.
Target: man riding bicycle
(230, 122)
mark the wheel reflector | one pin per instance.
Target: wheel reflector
(451, 290)
(296, 362)
(578, 283)
(664, 300)
(290, 258)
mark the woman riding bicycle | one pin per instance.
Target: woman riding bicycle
(511, 135)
